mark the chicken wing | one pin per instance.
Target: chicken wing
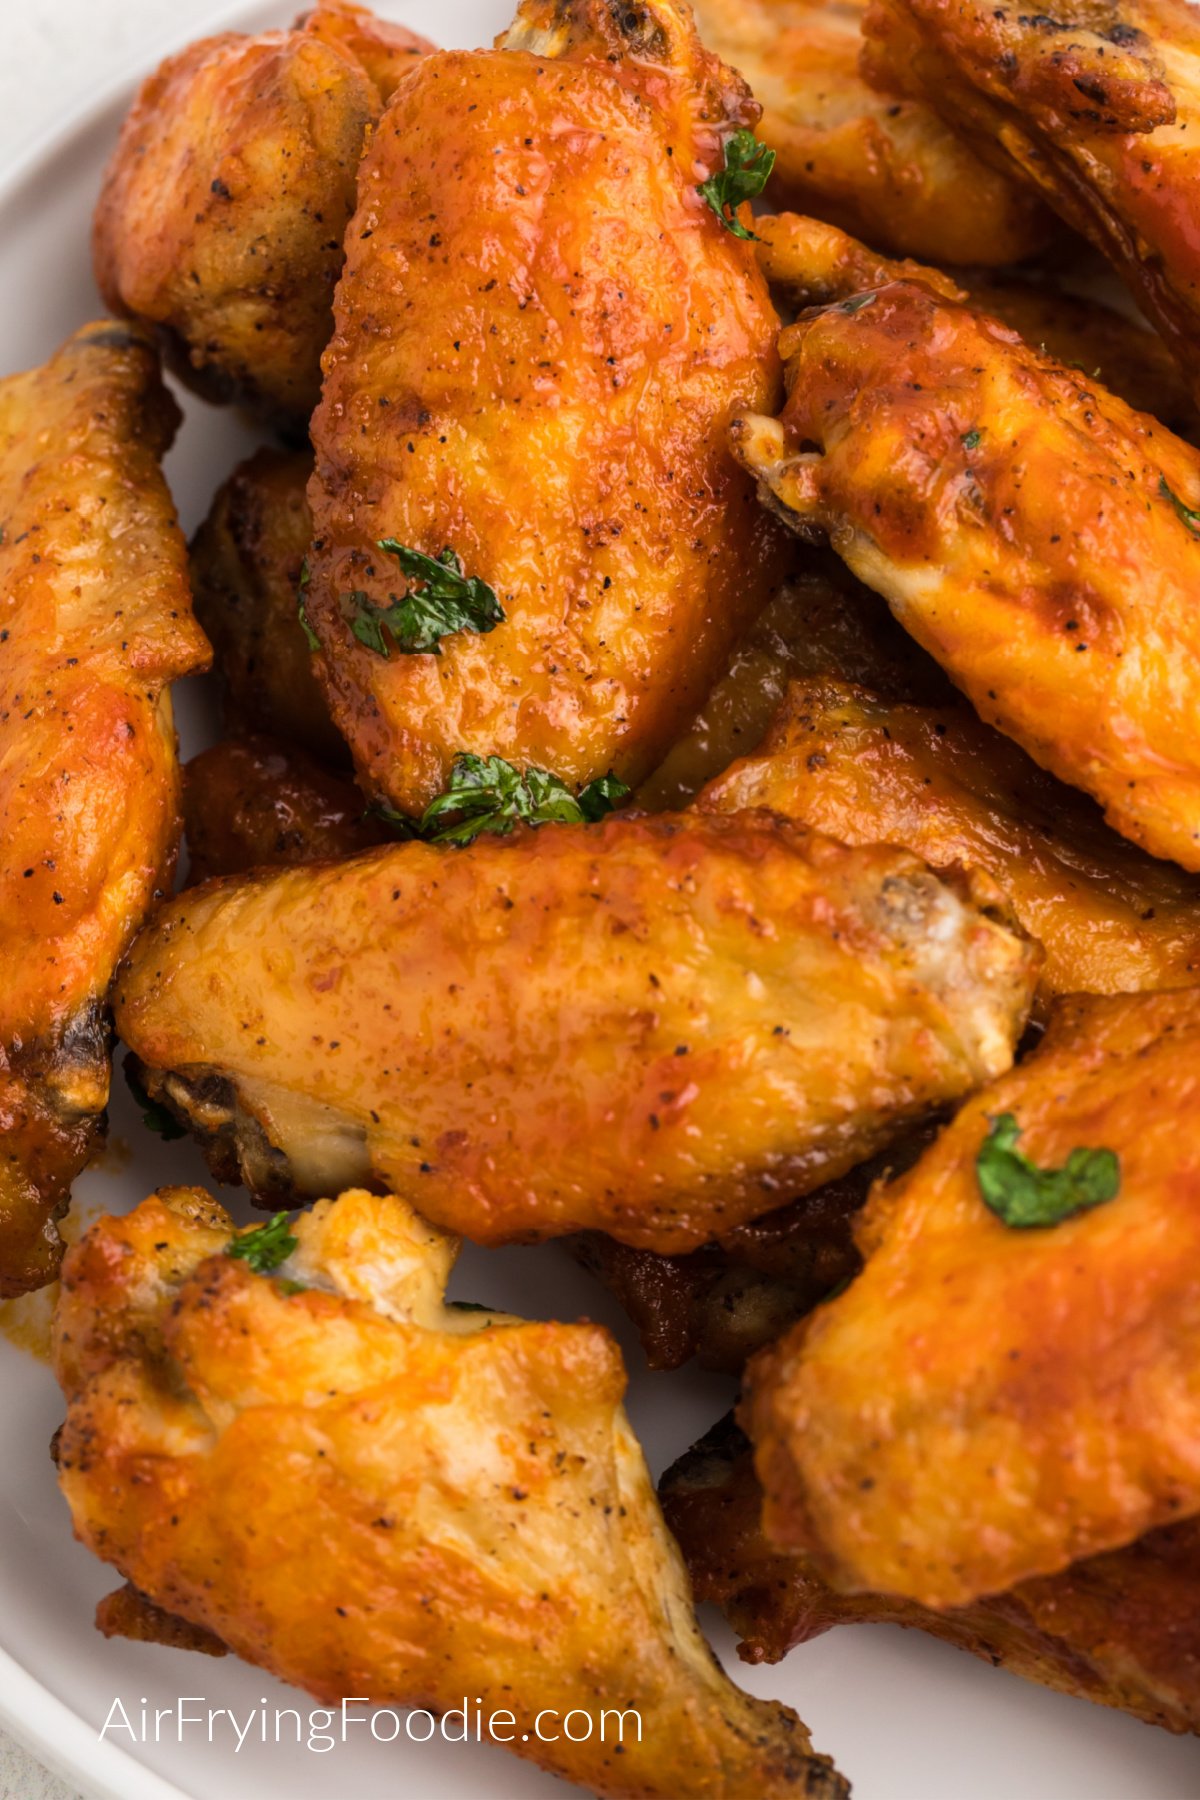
(809, 263)
(876, 163)
(95, 622)
(728, 1299)
(654, 1027)
(867, 770)
(541, 334)
(371, 1493)
(1121, 1629)
(248, 569)
(999, 1394)
(1096, 108)
(223, 208)
(822, 621)
(1034, 534)
(253, 802)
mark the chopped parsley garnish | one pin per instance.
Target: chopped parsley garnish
(440, 600)
(310, 636)
(155, 1118)
(265, 1247)
(1025, 1196)
(1190, 518)
(971, 440)
(856, 302)
(748, 166)
(485, 793)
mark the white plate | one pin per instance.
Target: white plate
(905, 1718)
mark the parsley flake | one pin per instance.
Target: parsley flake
(487, 794)
(310, 636)
(748, 166)
(265, 1247)
(440, 600)
(1027, 1197)
(1190, 518)
(856, 302)
(971, 440)
(155, 1117)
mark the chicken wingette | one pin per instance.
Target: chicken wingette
(808, 263)
(867, 770)
(248, 562)
(1035, 534)
(655, 1027)
(1095, 106)
(1122, 1629)
(290, 1440)
(542, 331)
(254, 802)
(95, 622)
(877, 163)
(224, 205)
(1011, 1384)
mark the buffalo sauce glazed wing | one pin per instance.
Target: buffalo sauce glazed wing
(369, 1492)
(1095, 105)
(223, 208)
(95, 622)
(870, 770)
(1122, 1629)
(880, 163)
(655, 1027)
(1002, 1392)
(541, 334)
(1034, 533)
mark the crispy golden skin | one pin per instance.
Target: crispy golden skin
(1023, 524)
(985, 1404)
(876, 163)
(1097, 107)
(822, 621)
(542, 332)
(866, 770)
(254, 802)
(247, 563)
(368, 1492)
(654, 1027)
(95, 621)
(810, 263)
(223, 208)
(1122, 1629)
(728, 1299)
(384, 49)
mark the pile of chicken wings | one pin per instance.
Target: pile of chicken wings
(711, 774)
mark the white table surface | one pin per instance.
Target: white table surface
(55, 53)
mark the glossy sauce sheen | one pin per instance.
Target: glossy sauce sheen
(542, 332)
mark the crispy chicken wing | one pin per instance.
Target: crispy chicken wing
(654, 1027)
(1029, 529)
(542, 332)
(223, 208)
(95, 622)
(866, 770)
(1096, 107)
(728, 1299)
(985, 1403)
(809, 264)
(370, 1492)
(248, 562)
(877, 163)
(822, 621)
(253, 802)
(1122, 1629)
